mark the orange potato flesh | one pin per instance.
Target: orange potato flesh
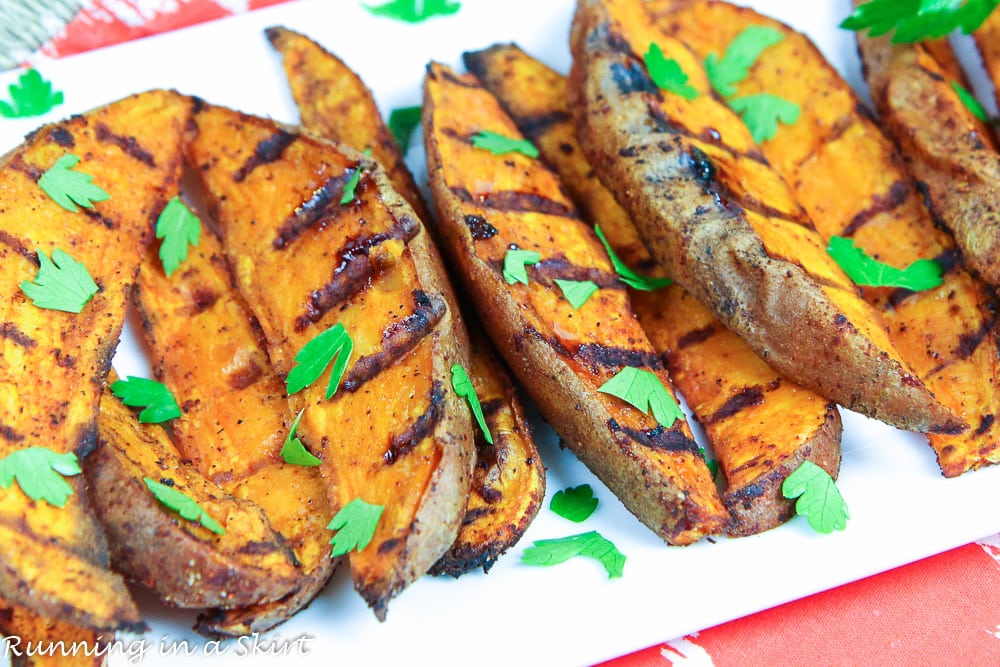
(25, 630)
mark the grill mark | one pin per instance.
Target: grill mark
(696, 336)
(95, 216)
(11, 332)
(128, 145)
(597, 355)
(534, 126)
(985, 424)
(518, 202)
(398, 339)
(352, 271)
(62, 137)
(243, 377)
(949, 261)
(491, 408)
(424, 425)
(9, 434)
(480, 228)
(631, 78)
(311, 211)
(17, 163)
(18, 246)
(202, 298)
(452, 78)
(547, 270)
(670, 440)
(746, 398)
(969, 342)
(389, 545)
(897, 195)
(267, 150)
(667, 125)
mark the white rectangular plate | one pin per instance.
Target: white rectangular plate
(901, 508)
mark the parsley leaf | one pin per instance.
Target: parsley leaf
(970, 102)
(158, 403)
(515, 265)
(922, 274)
(31, 96)
(178, 227)
(498, 144)
(39, 472)
(762, 112)
(351, 186)
(415, 11)
(316, 355)
(294, 452)
(402, 122)
(740, 56)
(184, 505)
(592, 545)
(917, 20)
(644, 390)
(577, 292)
(576, 503)
(667, 74)
(627, 275)
(819, 500)
(66, 186)
(713, 465)
(355, 526)
(62, 283)
(462, 385)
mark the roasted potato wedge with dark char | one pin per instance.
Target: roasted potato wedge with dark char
(488, 204)
(54, 561)
(988, 41)
(56, 644)
(394, 434)
(725, 225)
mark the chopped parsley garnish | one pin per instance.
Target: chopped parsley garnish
(32, 95)
(316, 355)
(178, 227)
(576, 503)
(62, 283)
(294, 452)
(158, 404)
(355, 526)
(643, 390)
(402, 122)
(351, 186)
(414, 11)
(923, 274)
(762, 112)
(184, 505)
(819, 500)
(713, 465)
(515, 265)
(917, 20)
(590, 545)
(667, 74)
(462, 385)
(70, 188)
(498, 144)
(627, 275)
(40, 472)
(577, 292)
(970, 102)
(740, 56)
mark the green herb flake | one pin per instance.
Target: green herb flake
(462, 384)
(627, 275)
(402, 122)
(32, 95)
(713, 465)
(40, 472)
(158, 404)
(643, 390)
(819, 500)
(62, 283)
(316, 355)
(762, 112)
(351, 186)
(740, 56)
(515, 265)
(70, 188)
(667, 74)
(546, 553)
(414, 11)
(923, 274)
(355, 526)
(293, 452)
(179, 228)
(576, 503)
(970, 102)
(498, 144)
(917, 20)
(577, 292)
(184, 505)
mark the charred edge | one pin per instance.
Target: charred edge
(450, 77)
(352, 271)
(670, 440)
(18, 246)
(424, 425)
(9, 434)
(311, 211)
(696, 336)
(267, 150)
(17, 163)
(632, 78)
(701, 167)
(597, 355)
(480, 228)
(890, 201)
(128, 145)
(95, 216)
(517, 202)
(746, 398)
(985, 424)
(62, 137)
(244, 376)
(663, 123)
(968, 342)
(547, 270)
(11, 332)
(534, 126)
(398, 339)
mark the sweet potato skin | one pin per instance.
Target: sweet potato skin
(988, 40)
(726, 227)
(60, 644)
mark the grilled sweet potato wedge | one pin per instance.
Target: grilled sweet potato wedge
(509, 480)
(394, 434)
(183, 562)
(490, 203)
(850, 179)
(945, 147)
(51, 642)
(760, 426)
(209, 351)
(725, 225)
(54, 561)
(988, 41)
